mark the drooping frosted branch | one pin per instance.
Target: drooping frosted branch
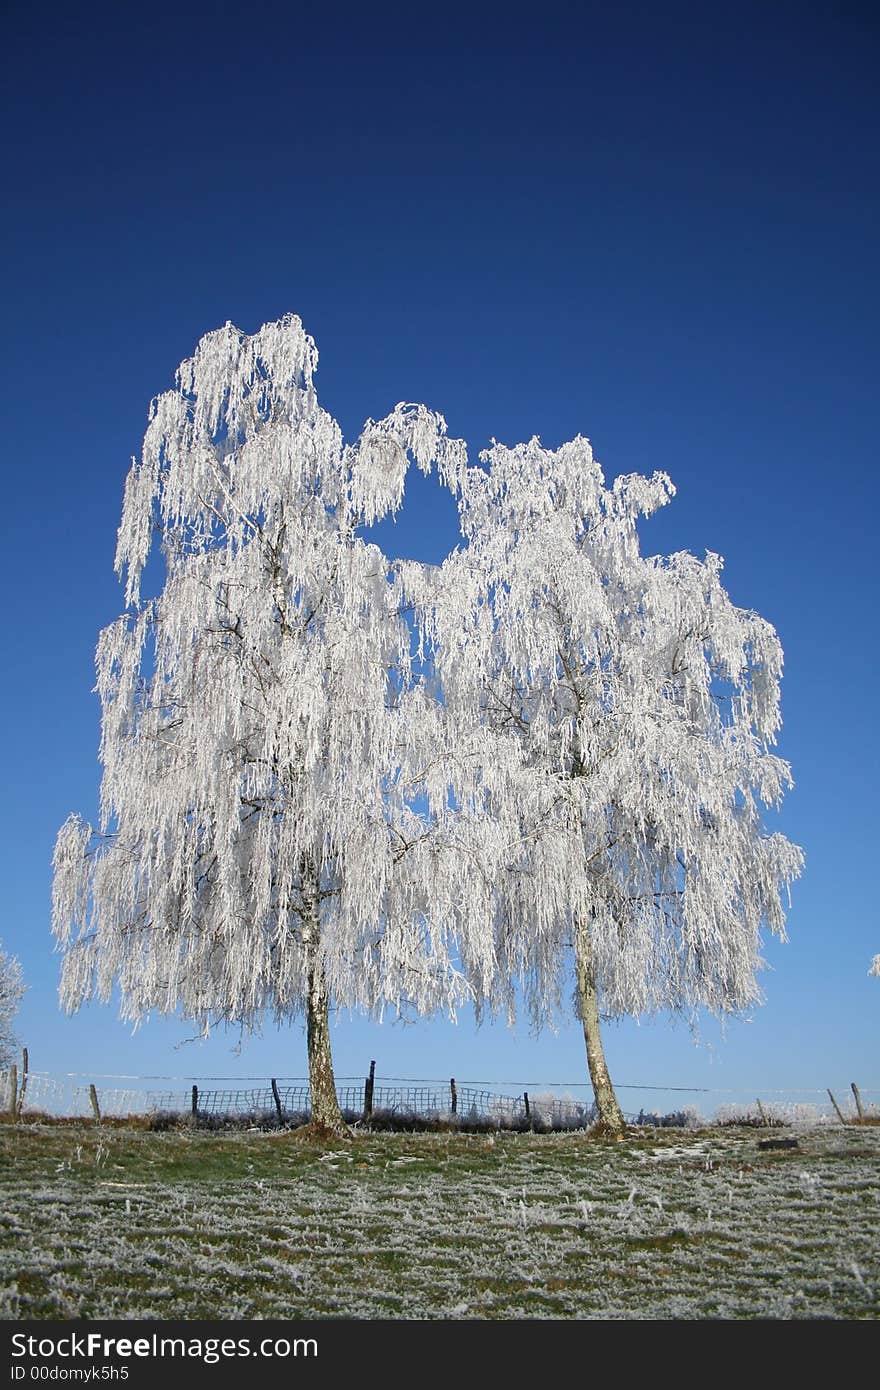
(11, 993)
(573, 729)
(262, 719)
(627, 709)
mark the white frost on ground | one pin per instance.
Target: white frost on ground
(427, 1226)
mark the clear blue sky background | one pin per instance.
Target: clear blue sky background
(655, 225)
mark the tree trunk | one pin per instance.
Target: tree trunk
(326, 1115)
(322, 1084)
(610, 1114)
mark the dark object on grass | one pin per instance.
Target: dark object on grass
(779, 1143)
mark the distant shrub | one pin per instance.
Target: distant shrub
(688, 1118)
(770, 1116)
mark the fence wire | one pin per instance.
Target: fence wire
(403, 1101)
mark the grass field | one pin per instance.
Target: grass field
(112, 1222)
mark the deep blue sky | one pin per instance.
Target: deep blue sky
(654, 225)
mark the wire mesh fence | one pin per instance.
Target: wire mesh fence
(399, 1101)
(463, 1104)
(289, 1101)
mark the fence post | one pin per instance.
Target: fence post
(24, 1080)
(454, 1095)
(194, 1105)
(368, 1093)
(528, 1108)
(277, 1100)
(855, 1091)
(93, 1097)
(840, 1115)
(13, 1090)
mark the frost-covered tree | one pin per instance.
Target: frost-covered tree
(11, 991)
(290, 814)
(620, 713)
(262, 846)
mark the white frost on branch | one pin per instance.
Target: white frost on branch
(268, 745)
(437, 771)
(11, 993)
(614, 715)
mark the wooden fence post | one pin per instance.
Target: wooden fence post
(13, 1090)
(93, 1097)
(528, 1108)
(277, 1100)
(840, 1114)
(368, 1093)
(24, 1080)
(194, 1105)
(855, 1091)
(454, 1094)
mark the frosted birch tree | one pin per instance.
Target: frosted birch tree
(620, 713)
(265, 734)
(11, 993)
